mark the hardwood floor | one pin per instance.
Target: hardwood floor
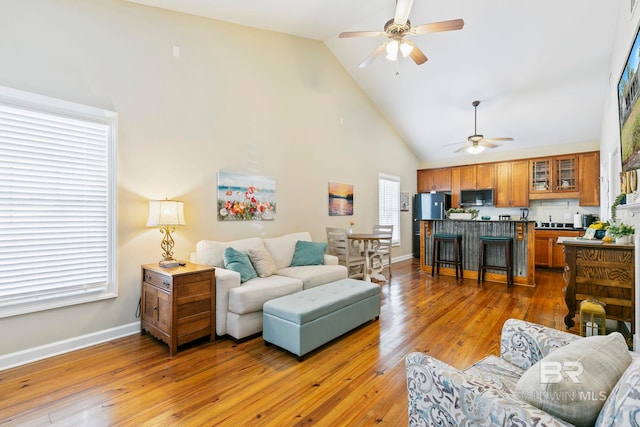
(356, 380)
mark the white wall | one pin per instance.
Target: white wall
(610, 133)
(237, 99)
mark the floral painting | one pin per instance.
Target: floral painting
(243, 197)
(340, 199)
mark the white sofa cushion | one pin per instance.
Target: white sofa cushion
(253, 293)
(211, 252)
(283, 247)
(315, 275)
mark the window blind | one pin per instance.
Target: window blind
(389, 204)
(56, 206)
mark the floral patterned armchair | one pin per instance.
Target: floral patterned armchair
(485, 394)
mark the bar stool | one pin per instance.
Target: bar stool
(501, 241)
(436, 259)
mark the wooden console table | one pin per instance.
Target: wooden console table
(605, 272)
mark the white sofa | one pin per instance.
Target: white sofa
(239, 305)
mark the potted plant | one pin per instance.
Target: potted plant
(620, 199)
(462, 213)
(622, 232)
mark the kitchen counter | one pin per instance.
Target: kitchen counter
(523, 234)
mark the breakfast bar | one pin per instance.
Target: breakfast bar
(522, 232)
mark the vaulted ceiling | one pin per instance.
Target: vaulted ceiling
(540, 68)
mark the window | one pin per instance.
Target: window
(389, 204)
(57, 203)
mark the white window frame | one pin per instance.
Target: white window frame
(30, 278)
(389, 204)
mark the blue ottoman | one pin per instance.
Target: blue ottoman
(304, 321)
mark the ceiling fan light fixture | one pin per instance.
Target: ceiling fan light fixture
(405, 48)
(475, 149)
(392, 50)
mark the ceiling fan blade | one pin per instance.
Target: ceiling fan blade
(369, 59)
(497, 139)
(435, 27)
(403, 8)
(463, 148)
(455, 143)
(488, 144)
(348, 34)
(416, 54)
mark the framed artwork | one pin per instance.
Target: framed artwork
(246, 197)
(340, 199)
(404, 202)
(629, 109)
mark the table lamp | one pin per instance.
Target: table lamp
(166, 214)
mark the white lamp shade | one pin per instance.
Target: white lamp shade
(165, 212)
(475, 149)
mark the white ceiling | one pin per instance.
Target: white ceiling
(540, 68)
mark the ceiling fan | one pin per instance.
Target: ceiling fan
(477, 143)
(395, 29)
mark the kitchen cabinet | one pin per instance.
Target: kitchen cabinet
(589, 178)
(434, 180)
(455, 187)
(475, 177)
(512, 184)
(554, 177)
(548, 252)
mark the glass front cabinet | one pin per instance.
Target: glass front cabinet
(554, 175)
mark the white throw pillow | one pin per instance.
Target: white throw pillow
(573, 382)
(282, 248)
(262, 261)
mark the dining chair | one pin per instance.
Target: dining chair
(339, 245)
(384, 248)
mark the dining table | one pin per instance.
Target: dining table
(370, 244)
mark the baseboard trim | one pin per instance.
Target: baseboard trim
(401, 258)
(34, 354)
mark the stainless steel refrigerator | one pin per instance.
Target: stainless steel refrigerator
(427, 206)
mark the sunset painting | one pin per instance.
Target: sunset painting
(340, 199)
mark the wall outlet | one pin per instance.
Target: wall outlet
(566, 215)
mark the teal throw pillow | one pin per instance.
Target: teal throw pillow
(308, 253)
(239, 261)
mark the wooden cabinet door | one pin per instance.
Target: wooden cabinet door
(557, 254)
(484, 176)
(502, 196)
(565, 174)
(520, 183)
(540, 177)
(512, 184)
(425, 180)
(543, 253)
(434, 180)
(468, 177)
(589, 178)
(442, 179)
(455, 187)
(156, 308)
